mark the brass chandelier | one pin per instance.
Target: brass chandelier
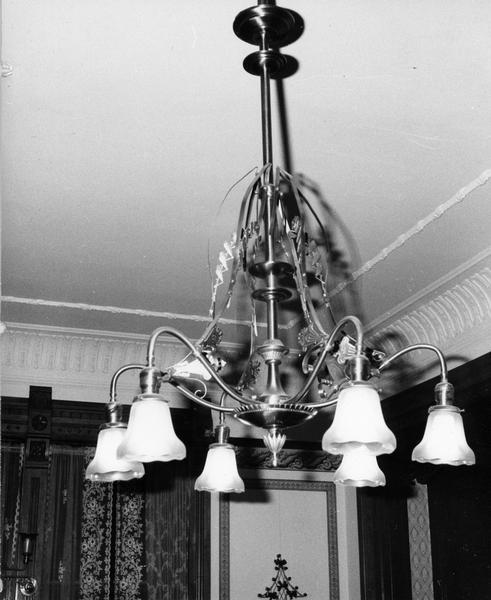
(275, 249)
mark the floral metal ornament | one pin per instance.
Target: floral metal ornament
(274, 441)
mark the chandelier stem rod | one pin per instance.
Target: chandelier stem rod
(271, 301)
(266, 105)
(272, 325)
(196, 353)
(441, 358)
(327, 347)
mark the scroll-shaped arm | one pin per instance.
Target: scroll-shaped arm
(327, 347)
(230, 391)
(200, 400)
(197, 354)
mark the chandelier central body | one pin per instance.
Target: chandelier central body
(266, 25)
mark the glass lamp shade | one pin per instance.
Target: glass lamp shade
(220, 471)
(359, 469)
(106, 466)
(150, 435)
(444, 440)
(358, 424)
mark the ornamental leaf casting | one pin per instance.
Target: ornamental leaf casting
(282, 588)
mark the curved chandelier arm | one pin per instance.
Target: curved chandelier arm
(199, 400)
(324, 404)
(114, 410)
(327, 347)
(438, 352)
(115, 377)
(197, 354)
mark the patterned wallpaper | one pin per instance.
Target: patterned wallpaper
(420, 544)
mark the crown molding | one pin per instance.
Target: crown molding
(466, 270)
(77, 363)
(454, 313)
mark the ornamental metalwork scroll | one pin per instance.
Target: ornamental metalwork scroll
(282, 587)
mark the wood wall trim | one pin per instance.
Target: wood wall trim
(326, 487)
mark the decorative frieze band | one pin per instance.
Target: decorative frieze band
(288, 459)
(445, 318)
(77, 364)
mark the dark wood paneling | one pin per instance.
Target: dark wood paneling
(459, 504)
(77, 423)
(459, 497)
(384, 544)
(40, 423)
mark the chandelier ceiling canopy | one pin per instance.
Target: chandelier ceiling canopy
(280, 249)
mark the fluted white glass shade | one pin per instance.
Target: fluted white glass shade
(220, 471)
(150, 435)
(359, 469)
(444, 440)
(358, 424)
(106, 466)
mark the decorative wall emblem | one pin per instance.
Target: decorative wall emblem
(282, 588)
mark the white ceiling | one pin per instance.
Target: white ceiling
(125, 122)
